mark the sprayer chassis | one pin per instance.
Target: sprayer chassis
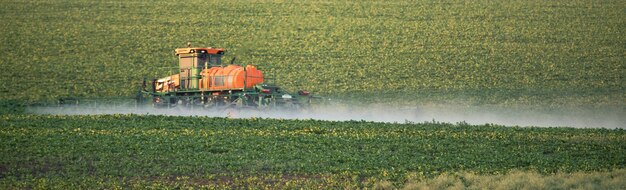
(260, 97)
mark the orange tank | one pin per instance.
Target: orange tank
(230, 77)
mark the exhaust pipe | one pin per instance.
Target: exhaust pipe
(154, 80)
(143, 84)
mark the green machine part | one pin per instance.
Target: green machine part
(195, 76)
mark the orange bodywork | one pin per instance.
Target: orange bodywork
(230, 77)
(167, 84)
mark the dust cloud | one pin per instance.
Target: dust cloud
(475, 115)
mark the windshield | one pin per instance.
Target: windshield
(202, 58)
(215, 59)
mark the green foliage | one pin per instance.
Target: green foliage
(492, 52)
(518, 52)
(126, 150)
(11, 107)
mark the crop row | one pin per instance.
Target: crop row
(163, 148)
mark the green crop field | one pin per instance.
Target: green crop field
(543, 54)
(555, 52)
(161, 151)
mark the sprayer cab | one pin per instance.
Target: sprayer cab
(200, 56)
(193, 60)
